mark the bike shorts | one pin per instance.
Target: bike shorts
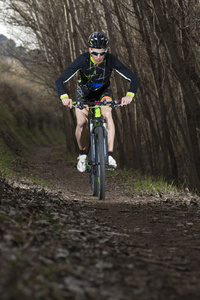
(85, 94)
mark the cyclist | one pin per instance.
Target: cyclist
(95, 68)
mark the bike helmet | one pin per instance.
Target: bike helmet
(98, 40)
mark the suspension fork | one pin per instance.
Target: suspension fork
(105, 141)
(105, 133)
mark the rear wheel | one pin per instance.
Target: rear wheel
(100, 163)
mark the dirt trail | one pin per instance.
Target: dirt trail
(65, 177)
(129, 246)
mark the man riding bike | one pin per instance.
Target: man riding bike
(95, 68)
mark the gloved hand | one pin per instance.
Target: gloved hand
(67, 102)
(126, 100)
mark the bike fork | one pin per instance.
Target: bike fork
(105, 134)
(92, 144)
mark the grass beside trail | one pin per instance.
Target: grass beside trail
(140, 182)
(6, 160)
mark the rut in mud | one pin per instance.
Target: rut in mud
(62, 243)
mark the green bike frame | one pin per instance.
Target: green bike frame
(95, 122)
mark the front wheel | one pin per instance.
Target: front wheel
(93, 167)
(93, 181)
(100, 163)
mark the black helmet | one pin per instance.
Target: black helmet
(98, 40)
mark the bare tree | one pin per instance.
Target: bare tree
(159, 41)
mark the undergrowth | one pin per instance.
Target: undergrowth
(6, 160)
(139, 182)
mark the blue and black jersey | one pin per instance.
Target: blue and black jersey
(95, 77)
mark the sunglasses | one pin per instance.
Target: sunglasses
(97, 53)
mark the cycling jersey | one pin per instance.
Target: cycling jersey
(84, 94)
(95, 77)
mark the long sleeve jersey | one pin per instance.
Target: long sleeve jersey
(95, 76)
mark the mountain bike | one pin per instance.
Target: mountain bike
(98, 145)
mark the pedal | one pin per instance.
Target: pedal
(110, 169)
(88, 169)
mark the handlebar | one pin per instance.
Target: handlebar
(92, 104)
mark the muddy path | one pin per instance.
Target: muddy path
(62, 243)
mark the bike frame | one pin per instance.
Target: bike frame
(95, 122)
(98, 145)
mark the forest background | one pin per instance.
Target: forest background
(157, 39)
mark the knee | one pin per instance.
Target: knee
(107, 115)
(81, 123)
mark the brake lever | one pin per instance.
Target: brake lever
(115, 103)
(80, 105)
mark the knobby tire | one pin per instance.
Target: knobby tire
(94, 181)
(100, 163)
(93, 168)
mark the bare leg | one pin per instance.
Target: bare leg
(107, 114)
(82, 128)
